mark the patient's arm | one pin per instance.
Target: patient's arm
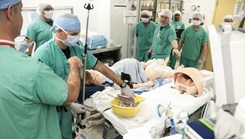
(147, 84)
(153, 74)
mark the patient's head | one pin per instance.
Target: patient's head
(93, 77)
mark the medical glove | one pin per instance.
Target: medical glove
(77, 108)
(227, 126)
(127, 91)
(200, 62)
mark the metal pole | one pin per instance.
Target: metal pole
(88, 7)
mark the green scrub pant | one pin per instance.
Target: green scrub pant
(188, 63)
(172, 60)
(142, 55)
(65, 120)
(158, 56)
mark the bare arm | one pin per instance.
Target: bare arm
(204, 50)
(181, 42)
(73, 80)
(174, 44)
(175, 48)
(108, 73)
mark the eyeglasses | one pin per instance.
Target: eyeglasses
(196, 19)
(165, 17)
(48, 9)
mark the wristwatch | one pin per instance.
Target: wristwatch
(123, 85)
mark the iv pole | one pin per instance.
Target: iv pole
(88, 7)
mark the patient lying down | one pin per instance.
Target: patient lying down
(142, 74)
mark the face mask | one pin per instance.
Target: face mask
(22, 46)
(48, 14)
(145, 20)
(196, 23)
(70, 41)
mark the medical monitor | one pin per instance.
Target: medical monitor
(227, 51)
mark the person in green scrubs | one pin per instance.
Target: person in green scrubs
(144, 31)
(39, 29)
(164, 37)
(193, 43)
(64, 45)
(29, 90)
(179, 28)
(229, 19)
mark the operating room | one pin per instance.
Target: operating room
(113, 69)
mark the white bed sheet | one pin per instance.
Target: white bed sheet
(147, 116)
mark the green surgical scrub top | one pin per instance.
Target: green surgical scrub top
(29, 94)
(193, 41)
(39, 31)
(144, 39)
(162, 41)
(51, 54)
(177, 25)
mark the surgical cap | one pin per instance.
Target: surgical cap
(145, 12)
(229, 16)
(166, 12)
(4, 4)
(198, 15)
(68, 22)
(177, 12)
(42, 5)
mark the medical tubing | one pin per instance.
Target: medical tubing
(173, 131)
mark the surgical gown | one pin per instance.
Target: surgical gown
(29, 94)
(162, 42)
(39, 31)
(51, 54)
(192, 47)
(144, 39)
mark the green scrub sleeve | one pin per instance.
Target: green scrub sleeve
(91, 61)
(50, 88)
(172, 36)
(31, 32)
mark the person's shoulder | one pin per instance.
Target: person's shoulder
(171, 22)
(47, 45)
(139, 24)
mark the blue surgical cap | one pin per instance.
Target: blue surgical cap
(4, 4)
(68, 22)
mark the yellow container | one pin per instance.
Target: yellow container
(128, 112)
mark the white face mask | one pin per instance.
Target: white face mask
(22, 46)
(48, 14)
(145, 20)
(70, 41)
(196, 23)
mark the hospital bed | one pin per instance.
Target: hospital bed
(148, 118)
(148, 114)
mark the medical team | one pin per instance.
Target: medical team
(33, 88)
(40, 92)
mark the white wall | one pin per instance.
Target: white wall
(206, 7)
(99, 21)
